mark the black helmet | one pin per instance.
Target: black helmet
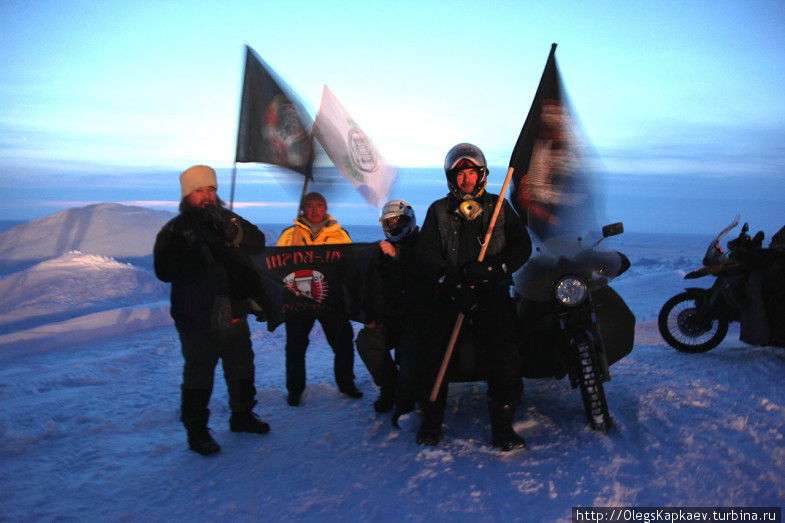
(465, 156)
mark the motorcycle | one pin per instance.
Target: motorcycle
(572, 323)
(697, 319)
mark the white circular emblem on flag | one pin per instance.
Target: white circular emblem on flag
(307, 283)
(363, 155)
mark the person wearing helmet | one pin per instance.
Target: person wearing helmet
(449, 246)
(396, 311)
(315, 227)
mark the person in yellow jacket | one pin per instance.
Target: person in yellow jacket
(315, 227)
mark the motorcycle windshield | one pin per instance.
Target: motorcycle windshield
(564, 256)
(714, 253)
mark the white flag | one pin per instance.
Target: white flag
(351, 151)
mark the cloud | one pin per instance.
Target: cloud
(703, 150)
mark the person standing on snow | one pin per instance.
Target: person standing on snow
(398, 312)
(201, 252)
(315, 227)
(449, 245)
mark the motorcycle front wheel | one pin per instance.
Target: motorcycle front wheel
(592, 391)
(681, 329)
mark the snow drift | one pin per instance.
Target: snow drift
(71, 285)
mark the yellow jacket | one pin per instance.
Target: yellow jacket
(300, 234)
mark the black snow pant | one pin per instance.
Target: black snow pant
(374, 345)
(492, 327)
(201, 351)
(339, 335)
(404, 335)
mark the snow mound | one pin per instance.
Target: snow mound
(108, 229)
(78, 260)
(70, 285)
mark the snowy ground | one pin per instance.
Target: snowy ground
(89, 430)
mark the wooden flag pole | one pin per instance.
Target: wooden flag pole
(459, 321)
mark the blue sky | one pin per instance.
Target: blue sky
(111, 100)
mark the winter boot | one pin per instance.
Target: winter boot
(294, 398)
(385, 401)
(502, 435)
(194, 415)
(351, 390)
(430, 431)
(200, 440)
(247, 422)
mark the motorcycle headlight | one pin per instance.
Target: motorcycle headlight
(571, 291)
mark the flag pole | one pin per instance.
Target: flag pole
(239, 120)
(307, 176)
(302, 195)
(234, 178)
(459, 321)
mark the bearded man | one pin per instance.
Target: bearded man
(203, 253)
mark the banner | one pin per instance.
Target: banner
(316, 278)
(552, 181)
(274, 126)
(351, 151)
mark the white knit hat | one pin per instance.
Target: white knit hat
(195, 177)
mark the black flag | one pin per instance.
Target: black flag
(552, 182)
(274, 126)
(316, 278)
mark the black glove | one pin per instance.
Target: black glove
(227, 225)
(232, 231)
(458, 294)
(484, 275)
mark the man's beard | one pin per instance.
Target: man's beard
(215, 208)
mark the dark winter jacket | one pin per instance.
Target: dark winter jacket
(205, 257)
(397, 285)
(448, 241)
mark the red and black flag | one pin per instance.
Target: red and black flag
(316, 278)
(552, 183)
(274, 126)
